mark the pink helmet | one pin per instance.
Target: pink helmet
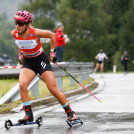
(24, 16)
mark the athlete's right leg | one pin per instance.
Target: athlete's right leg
(26, 76)
(58, 54)
(62, 51)
(97, 66)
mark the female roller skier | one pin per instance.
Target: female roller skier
(100, 57)
(35, 61)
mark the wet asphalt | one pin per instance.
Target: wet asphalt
(114, 115)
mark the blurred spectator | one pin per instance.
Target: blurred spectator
(124, 60)
(133, 61)
(100, 57)
(60, 41)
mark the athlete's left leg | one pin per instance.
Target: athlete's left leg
(102, 66)
(48, 77)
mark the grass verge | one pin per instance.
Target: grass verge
(7, 84)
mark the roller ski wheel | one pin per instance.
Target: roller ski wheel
(8, 124)
(74, 122)
(39, 121)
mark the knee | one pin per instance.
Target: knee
(23, 86)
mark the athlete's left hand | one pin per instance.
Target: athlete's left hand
(21, 58)
(53, 57)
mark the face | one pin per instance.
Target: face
(20, 26)
(125, 53)
(61, 28)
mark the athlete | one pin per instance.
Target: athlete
(125, 60)
(100, 57)
(35, 61)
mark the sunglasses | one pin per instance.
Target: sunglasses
(20, 23)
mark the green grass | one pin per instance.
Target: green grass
(43, 91)
(7, 84)
(6, 108)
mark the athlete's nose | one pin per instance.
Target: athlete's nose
(17, 25)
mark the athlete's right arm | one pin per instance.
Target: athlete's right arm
(12, 33)
(20, 52)
(96, 57)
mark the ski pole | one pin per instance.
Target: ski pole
(78, 82)
(40, 77)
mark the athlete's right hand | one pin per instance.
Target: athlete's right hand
(21, 58)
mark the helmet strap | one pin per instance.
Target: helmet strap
(23, 31)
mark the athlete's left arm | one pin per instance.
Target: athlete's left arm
(106, 57)
(46, 34)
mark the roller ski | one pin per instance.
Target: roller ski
(8, 123)
(27, 120)
(73, 120)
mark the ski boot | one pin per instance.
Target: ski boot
(72, 117)
(28, 115)
(73, 120)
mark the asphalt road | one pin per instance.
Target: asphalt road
(114, 115)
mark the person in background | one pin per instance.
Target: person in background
(100, 57)
(133, 62)
(35, 61)
(60, 42)
(125, 60)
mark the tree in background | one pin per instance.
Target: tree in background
(91, 25)
(126, 33)
(117, 9)
(44, 14)
(7, 45)
(87, 25)
(43, 11)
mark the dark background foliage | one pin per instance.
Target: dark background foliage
(91, 25)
